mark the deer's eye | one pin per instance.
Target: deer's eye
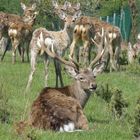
(81, 78)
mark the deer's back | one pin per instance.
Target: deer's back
(52, 109)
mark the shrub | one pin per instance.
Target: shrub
(104, 92)
(118, 104)
(134, 68)
(136, 120)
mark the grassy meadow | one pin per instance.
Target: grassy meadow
(15, 103)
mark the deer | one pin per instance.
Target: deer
(18, 28)
(133, 50)
(66, 7)
(87, 28)
(62, 40)
(61, 109)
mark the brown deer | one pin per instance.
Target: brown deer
(60, 109)
(62, 40)
(19, 28)
(88, 28)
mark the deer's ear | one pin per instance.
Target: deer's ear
(23, 6)
(66, 5)
(77, 15)
(54, 3)
(71, 71)
(34, 6)
(78, 6)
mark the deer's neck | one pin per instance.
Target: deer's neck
(68, 32)
(28, 21)
(80, 94)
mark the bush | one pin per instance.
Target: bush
(136, 120)
(104, 92)
(134, 68)
(118, 104)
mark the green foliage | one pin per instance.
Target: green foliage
(134, 68)
(118, 104)
(136, 121)
(104, 92)
(10, 6)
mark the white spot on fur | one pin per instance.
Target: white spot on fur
(48, 41)
(112, 35)
(138, 36)
(69, 127)
(61, 129)
(12, 31)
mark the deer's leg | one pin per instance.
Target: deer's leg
(46, 63)
(81, 55)
(15, 44)
(82, 122)
(111, 58)
(58, 73)
(72, 46)
(86, 52)
(22, 53)
(33, 64)
(27, 52)
(6, 48)
(116, 57)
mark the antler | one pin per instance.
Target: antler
(100, 47)
(52, 53)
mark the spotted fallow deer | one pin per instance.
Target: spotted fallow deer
(60, 109)
(88, 28)
(62, 40)
(18, 28)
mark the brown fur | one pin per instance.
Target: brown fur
(52, 109)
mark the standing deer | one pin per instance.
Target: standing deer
(62, 40)
(67, 7)
(18, 28)
(87, 28)
(60, 109)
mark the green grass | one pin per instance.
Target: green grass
(13, 79)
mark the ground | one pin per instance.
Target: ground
(16, 103)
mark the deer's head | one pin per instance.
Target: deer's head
(69, 20)
(29, 13)
(66, 7)
(84, 76)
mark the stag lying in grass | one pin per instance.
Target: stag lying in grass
(60, 109)
(62, 40)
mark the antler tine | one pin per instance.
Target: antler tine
(97, 58)
(52, 53)
(100, 50)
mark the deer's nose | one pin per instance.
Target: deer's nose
(93, 86)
